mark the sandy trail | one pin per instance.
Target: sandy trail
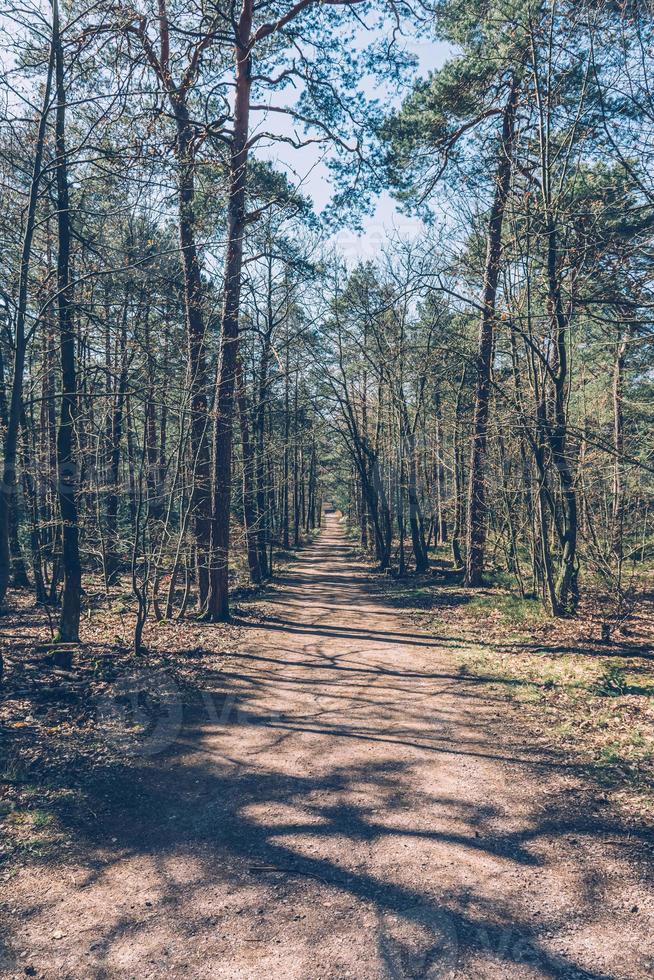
(341, 804)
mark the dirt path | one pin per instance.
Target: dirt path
(339, 804)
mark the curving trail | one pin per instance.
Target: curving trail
(342, 803)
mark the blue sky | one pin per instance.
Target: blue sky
(308, 169)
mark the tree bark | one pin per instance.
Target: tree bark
(195, 333)
(67, 471)
(8, 488)
(263, 515)
(218, 601)
(440, 521)
(617, 508)
(286, 542)
(476, 531)
(249, 491)
(112, 561)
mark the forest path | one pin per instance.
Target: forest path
(340, 804)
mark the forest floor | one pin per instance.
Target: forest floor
(335, 786)
(590, 699)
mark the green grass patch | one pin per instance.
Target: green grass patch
(30, 832)
(612, 682)
(511, 609)
(599, 710)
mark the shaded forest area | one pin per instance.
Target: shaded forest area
(191, 367)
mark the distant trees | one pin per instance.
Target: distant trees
(545, 60)
(380, 362)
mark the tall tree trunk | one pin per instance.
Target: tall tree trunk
(132, 481)
(286, 543)
(218, 602)
(195, 334)
(476, 531)
(112, 562)
(263, 517)
(415, 513)
(296, 474)
(399, 497)
(439, 473)
(8, 488)
(67, 471)
(311, 491)
(155, 498)
(48, 440)
(458, 475)
(33, 504)
(617, 505)
(566, 580)
(249, 491)
(18, 568)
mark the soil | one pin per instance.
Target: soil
(335, 800)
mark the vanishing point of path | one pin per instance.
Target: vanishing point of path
(342, 802)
